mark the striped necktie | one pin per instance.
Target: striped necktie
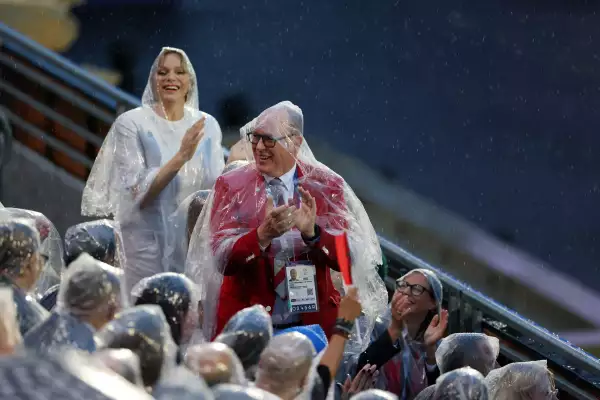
(277, 191)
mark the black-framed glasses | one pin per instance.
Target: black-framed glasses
(415, 290)
(268, 140)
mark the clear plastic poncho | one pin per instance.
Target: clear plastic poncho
(123, 362)
(145, 331)
(217, 363)
(237, 206)
(89, 288)
(101, 239)
(182, 224)
(405, 374)
(229, 391)
(285, 365)
(375, 394)
(522, 381)
(10, 335)
(476, 350)
(138, 144)
(20, 249)
(461, 384)
(51, 247)
(176, 295)
(248, 333)
(181, 384)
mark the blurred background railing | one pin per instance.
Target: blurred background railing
(59, 115)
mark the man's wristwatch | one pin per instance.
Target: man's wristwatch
(343, 328)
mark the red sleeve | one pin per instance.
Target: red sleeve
(233, 254)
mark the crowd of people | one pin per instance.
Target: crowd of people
(255, 278)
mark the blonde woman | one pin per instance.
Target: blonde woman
(153, 158)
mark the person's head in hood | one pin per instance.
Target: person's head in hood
(174, 294)
(91, 291)
(522, 381)
(248, 332)
(123, 362)
(276, 138)
(375, 394)
(145, 331)
(20, 259)
(230, 391)
(97, 238)
(461, 384)
(285, 364)
(216, 363)
(475, 350)
(423, 291)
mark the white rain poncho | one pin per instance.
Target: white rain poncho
(475, 350)
(138, 144)
(145, 331)
(216, 363)
(182, 223)
(522, 381)
(461, 384)
(176, 295)
(51, 247)
(224, 240)
(285, 365)
(90, 289)
(10, 335)
(20, 250)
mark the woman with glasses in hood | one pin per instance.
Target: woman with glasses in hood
(152, 159)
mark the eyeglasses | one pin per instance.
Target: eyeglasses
(415, 290)
(268, 140)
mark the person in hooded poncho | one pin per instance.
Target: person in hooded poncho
(89, 297)
(20, 267)
(152, 159)
(51, 249)
(283, 208)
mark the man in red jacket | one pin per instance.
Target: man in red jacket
(281, 213)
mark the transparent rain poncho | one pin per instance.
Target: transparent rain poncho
(229, 391)
(230, 166)
(182, 224)
(123, 362)
(176, 295)
(216, 363)
(375, 394)
(248, 333)
(236, 208)
(461, 384)
(405, 374)
(475, 350)
(522, 381)
(20, 253)
(138, 144)
(101, 239)
(90, 289)
(10, 335)
(181, 384)
(145, 331)
(285, 364)
(51, 247)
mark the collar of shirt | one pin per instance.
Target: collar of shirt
(287, 179)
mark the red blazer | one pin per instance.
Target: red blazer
(239, 208)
